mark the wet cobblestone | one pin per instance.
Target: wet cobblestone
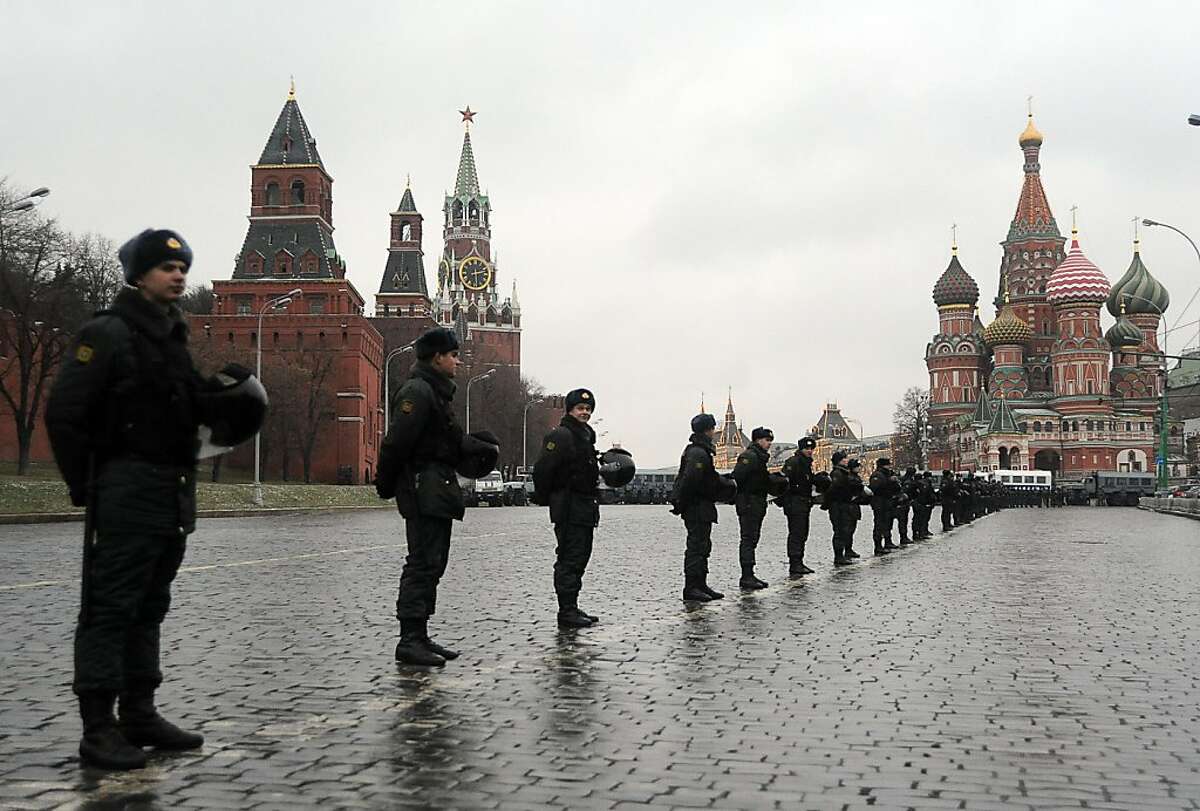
(1035, 659)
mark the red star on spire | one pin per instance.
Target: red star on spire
(468, 115)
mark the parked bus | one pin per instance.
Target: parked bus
(1022, 479)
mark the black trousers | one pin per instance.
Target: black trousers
(797, 536)
(947, 517)
(841, 517)
(699, 547)
(571, 558)
(428, 554)
(921, 515)
(901, 514)
(750, 523)
(881, 531)
(129, 594)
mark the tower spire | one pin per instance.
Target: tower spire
(292, 89)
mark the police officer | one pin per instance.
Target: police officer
(698, 488)
(797, 503)
(418, 464)
(904, 504)
(884, 490)
(948, 494)
(752, 479)
(841, 500)
(966, 496)
(122, 418)
(923, 509)
(566, 479)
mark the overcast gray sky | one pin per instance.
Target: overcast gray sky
(691, 195)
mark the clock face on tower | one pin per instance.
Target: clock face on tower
(475, 273)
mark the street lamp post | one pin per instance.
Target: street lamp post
(525, 432)
(1164, 411)
(475, 379)
(272, 304)
(30, 200)
(387, 392)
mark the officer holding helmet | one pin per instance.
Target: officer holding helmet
(123, 417)
(419, 462)
(566, 479)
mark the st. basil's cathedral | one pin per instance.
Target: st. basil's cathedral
(1042, 386)
(322, 330)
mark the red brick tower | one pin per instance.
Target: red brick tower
(402, 291)
(332, 353)
(1032, 250)
(467, 296)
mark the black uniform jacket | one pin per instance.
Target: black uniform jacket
(845, 491)
(752, 478)
(884, 489)
(948, 491)
(423, 446)
(698, 486)
(126, 398)
(798, 498)
(567, 473)
(926, 494)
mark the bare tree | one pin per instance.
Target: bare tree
(317, 402)
(910, 420)
(97, 271)
(39, 309)
(198, 300)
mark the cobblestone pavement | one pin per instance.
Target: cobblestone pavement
(1035, 659)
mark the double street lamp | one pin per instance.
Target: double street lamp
(475, 379)
(29, 201)
(272, 304)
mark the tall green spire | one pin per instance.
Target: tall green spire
(1002, 420)
(467, 183)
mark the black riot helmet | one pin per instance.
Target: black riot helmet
(480, 452)
(617, 467)
(233, 405)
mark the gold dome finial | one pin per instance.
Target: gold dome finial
(1030, 136)
(292, 89)
(954, 239)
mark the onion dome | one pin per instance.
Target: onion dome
(1008, 328)
(1076, 279)
(1124, 335)
(955, 286)
(1138, 291)
(1030, 135)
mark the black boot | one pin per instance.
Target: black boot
(143, 726)
(694, 591)
(841, 561)
(445, 653)
(851, 554)
(102, 744)
(712, 593)
(569, 615)
(798, 569)
(411, 650)
(749, 581)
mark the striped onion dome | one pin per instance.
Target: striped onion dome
(1140, 292)
(1076, 279)
(955, 285)
(1124, 334)
(1008, 328)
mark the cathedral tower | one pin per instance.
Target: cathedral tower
(1032, 250)
(956, 357)
(1138, 300)
(1076, 290)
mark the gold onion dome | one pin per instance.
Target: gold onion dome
(1007, 329)
(1124, 334)
(1137, 291)
(1031, 134)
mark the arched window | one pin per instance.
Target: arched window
(272, 194)
(297, 192)
(473, 213)
(458, 212)
(1075, 425)
(1037, 427)
(406, 232)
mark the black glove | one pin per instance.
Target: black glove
(78, 497)
(237, 371)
